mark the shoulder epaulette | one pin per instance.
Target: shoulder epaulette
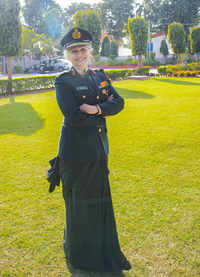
(64, 72)
(105, 75)
(93, 71)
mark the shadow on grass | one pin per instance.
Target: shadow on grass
(19, 118)
(128, 94)
(177, 82)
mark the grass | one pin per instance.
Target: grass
(154, 172)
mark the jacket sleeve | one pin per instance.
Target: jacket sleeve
(113, 106)
(70, 108)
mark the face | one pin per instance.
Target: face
(80, 56)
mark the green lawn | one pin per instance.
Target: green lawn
(154, 173)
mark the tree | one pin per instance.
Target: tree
(10, 38)
(161, 13)
(29, 38)
(195, 41)
(177, 40)
(43, 16)
(105, 48)
(33, 15)
(53, 22)
(113, 49)
(138, 31)
(90, 21)
(69, 12)
(36, 44)
(114, 15)
(164, 48)
(150, 10)
(182, 11)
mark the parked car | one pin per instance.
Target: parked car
(54, 65)
(31, 69)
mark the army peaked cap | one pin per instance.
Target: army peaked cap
(75, 37)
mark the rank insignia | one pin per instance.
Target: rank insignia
(76, 34)
(104, 91)
(103, 84)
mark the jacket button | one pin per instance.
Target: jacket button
(100, 130)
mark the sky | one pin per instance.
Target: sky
(65, 3)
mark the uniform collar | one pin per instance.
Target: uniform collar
(78, 71)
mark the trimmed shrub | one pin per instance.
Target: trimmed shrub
(138, 31)
(194, 66)
(162, 70)
(105, 48)
(176, 34)
(18, 69)
(195, 40)
(113, 49)
(115, 74)
(150, 61)
(143, 70)
(130, 61)
(117, 62)
(164, 48)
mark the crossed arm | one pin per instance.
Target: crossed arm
(85, 114)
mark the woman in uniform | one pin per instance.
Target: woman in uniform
(86, 98)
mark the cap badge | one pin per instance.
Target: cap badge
(76, 34)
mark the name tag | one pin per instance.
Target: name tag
(82, 88)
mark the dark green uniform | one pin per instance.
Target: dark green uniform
(84, 137)
(90, 238)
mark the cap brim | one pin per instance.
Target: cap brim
(77, 44)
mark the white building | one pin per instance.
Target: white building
(156, 43)
(156, 40)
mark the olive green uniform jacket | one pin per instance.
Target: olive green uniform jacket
(84, 137)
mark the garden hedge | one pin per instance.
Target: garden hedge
(23, 84)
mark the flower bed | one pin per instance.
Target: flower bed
(189, 70)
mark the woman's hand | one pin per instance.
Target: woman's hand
(89, 109)
(92, 109)
(110, 97)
